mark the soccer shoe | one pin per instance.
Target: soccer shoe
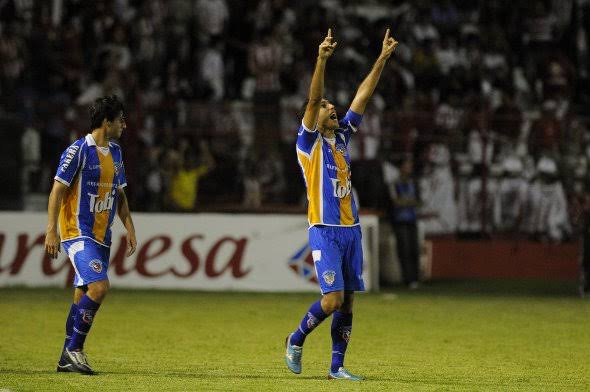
(63, 365)
(77, 361)
(343, 374)
(293, 356)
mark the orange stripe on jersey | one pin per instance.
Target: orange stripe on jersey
(69, 226)
(343, 175)
(107, 176)
(312, 170)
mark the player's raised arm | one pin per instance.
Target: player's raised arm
(365, 90)
(52, 240)
(316, 89)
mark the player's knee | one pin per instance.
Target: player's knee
(332, 302)
(98, 290)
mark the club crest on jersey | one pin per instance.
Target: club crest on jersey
(341, 148)
(329, 277)
(96, 266)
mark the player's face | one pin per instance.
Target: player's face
(117, 127)
(327, 118)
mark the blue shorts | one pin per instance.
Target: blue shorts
(338, 257)
(90, 260)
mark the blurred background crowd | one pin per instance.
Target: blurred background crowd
(488, 98)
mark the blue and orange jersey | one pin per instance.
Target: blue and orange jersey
(93, 175)
(325, 165)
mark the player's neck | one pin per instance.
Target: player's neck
(328, 133)
(100, 137)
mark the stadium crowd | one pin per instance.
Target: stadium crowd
(487, 97)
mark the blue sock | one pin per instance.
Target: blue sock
(87, 308)
(70, 324)
(315, 315)
(341, 330)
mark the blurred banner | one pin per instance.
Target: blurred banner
(189, 251)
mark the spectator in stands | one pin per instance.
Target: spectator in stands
(185, 182)
(265, 61)
(476, 197)
(546, 132)
(403, 196)
(437, 190)
(212, 17)
(507, 123)
(510, 201)
(212, 70)
(549, 218)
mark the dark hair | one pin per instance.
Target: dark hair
(303, 107)
(108, 107)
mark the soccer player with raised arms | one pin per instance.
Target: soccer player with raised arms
(87, 192)
(334, 232)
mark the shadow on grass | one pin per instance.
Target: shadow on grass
(179, 374)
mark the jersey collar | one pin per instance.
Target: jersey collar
(90, 140)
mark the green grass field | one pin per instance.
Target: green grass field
(459, 336)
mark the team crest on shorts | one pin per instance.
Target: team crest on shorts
(329, 277)
(96, 266)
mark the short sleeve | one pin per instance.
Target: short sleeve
(69, 163)
(120, 172)
(349, 124)
(121, 178)
(306, 138)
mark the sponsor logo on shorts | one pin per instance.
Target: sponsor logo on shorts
(96, 266)
(329, 277)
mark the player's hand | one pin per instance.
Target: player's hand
(131, 243)
(52, 243)
(327, 47)
(389, 45)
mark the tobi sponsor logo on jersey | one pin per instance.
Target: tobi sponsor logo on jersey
(341, 190)
(104, 204)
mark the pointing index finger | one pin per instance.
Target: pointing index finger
(330, 33)
(387, 34)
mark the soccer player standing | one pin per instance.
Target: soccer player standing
(87, 191)
(334, 232)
